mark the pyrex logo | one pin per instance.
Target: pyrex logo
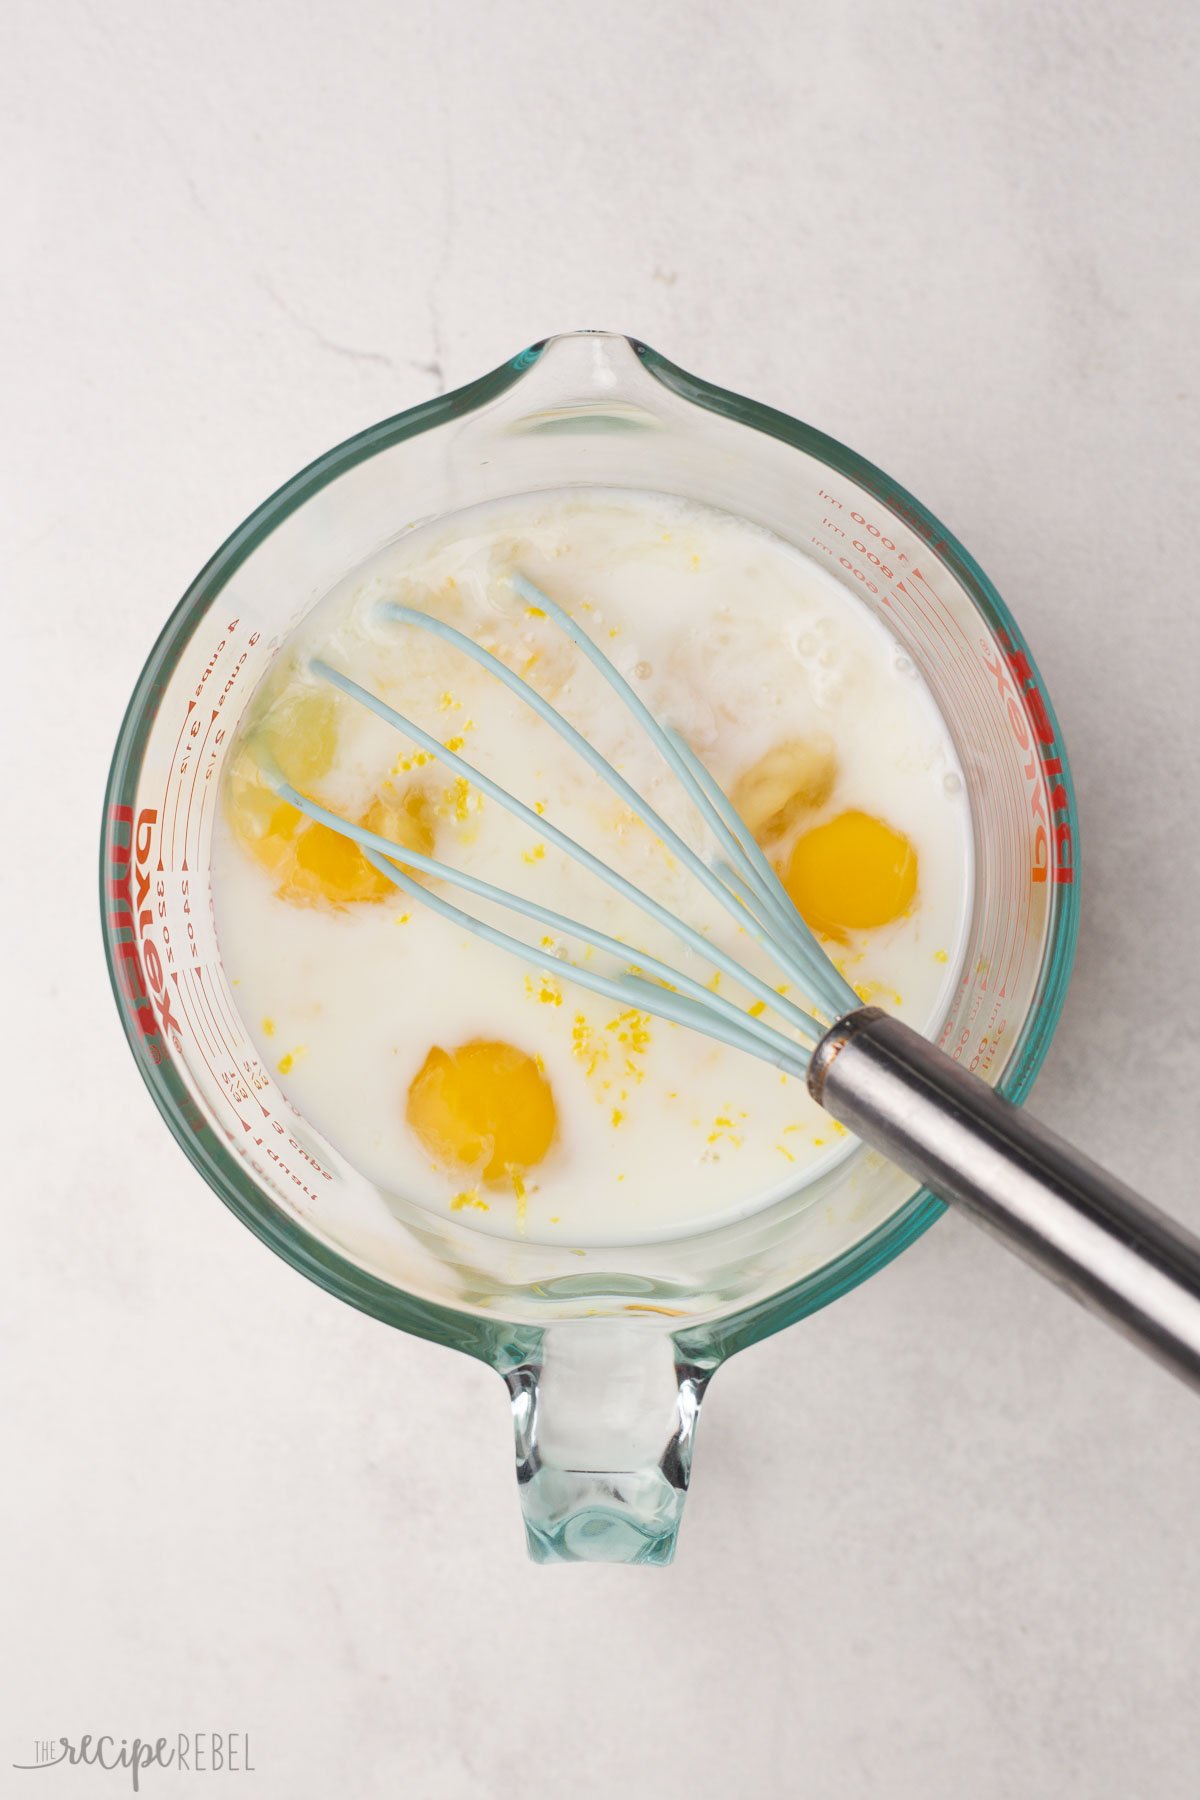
(138, 963)
(1053, 845)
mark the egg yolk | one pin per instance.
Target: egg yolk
(485, 1106)
(310, 863)
(850, 874)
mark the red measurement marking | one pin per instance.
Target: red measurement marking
(207, 1001)
(197, 1021)
(963, 728)
(220, 1085)
(178, 797)
(990, 945)
(1027, 711)
(1011, 812)
(197, 760)
(208, 783)
(213, 990)
(228, 1008)
(167, 790)
(1012, 950)
(993, 747)
(211, 1025)
(1011, 953)
(208, 989)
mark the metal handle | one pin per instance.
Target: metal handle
(1112, 1250)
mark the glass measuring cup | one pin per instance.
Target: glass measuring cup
(606, 1353)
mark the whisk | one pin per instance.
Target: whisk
(1115, 1252)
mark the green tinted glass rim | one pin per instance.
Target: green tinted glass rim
(497, 1341)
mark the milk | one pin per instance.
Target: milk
(738, 642)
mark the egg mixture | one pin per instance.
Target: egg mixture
(445, 1070)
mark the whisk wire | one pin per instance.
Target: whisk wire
(675, 753)
(736, 898)
(743, 881)
(546, 828)
(783, 923)
(382, 853)
(824, 981)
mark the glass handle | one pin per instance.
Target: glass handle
(605, 1419)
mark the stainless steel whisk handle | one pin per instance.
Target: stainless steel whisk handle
(1114, 1252)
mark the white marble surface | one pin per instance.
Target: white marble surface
(942, 1538)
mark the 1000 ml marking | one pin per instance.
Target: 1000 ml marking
(869, 552)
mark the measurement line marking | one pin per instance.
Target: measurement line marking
(1020, 920)
(198, 1024)
(219, 1084)
(178, 797)
(963, 729)
(211, 1025)
(208, 783)
(1010, 794)
(206, 1000)
(167, 789)
(220, 987)
(988, 945)
(197, 760)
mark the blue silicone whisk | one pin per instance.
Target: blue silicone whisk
(1110, 1248)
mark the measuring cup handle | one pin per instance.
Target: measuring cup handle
(605, 1418)
(1114, 1252)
